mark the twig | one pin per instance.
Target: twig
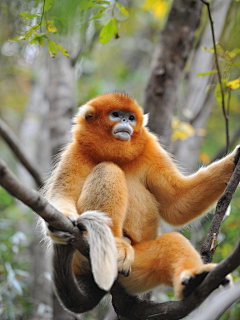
(213, 241)
(14, 143)
(222, 205)
(219, 75)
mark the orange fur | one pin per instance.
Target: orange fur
(136, 183)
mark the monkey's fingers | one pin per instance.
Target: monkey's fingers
(61, 236)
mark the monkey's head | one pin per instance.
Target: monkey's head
(111, 128)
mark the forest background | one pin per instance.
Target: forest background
(39, 93)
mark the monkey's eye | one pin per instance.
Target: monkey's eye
(131, 117)
(115, 114)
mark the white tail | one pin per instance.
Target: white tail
(103, 251)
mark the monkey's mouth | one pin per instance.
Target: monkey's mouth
(123, 134)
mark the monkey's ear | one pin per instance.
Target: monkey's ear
(86, 112)
(145, 119)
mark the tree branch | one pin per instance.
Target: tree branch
(39, 204)
(133, 308)
(127, 307)
(14, 143)
(221, 208)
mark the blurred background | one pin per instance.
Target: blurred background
(41, 88)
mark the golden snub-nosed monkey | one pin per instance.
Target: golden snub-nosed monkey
(116, 180)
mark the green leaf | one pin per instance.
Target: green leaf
(103, 2)
(48, 5)
(32, 31)
(63, 50)
(52, 48)
(97, 16)
(122, 8)
(108, 31)
(39, 38)
(27, 16)
(85, 4)
(207, 73)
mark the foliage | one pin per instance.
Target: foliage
(14, 262)
(56, 13)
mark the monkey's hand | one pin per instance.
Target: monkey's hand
(125, 256)
(61, 236)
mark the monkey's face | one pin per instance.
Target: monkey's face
(125, 122)
(111, 128)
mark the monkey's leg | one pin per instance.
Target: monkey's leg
(105, 190)
(170, 260)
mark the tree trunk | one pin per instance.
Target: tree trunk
(169, 59)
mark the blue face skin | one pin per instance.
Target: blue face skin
(123, 129)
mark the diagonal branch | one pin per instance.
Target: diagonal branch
(41, 206)
(14, 143)
(133, 308)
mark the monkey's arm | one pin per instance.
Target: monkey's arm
(183, 198)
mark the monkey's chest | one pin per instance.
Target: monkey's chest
(142, 220)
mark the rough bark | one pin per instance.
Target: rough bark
(207, 250)
(169, 59)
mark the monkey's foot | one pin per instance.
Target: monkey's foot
(190, 279)
(61, 236)
(125, 256)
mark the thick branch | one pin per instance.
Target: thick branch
(14, 143)
(221, 208)
(133, 308)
